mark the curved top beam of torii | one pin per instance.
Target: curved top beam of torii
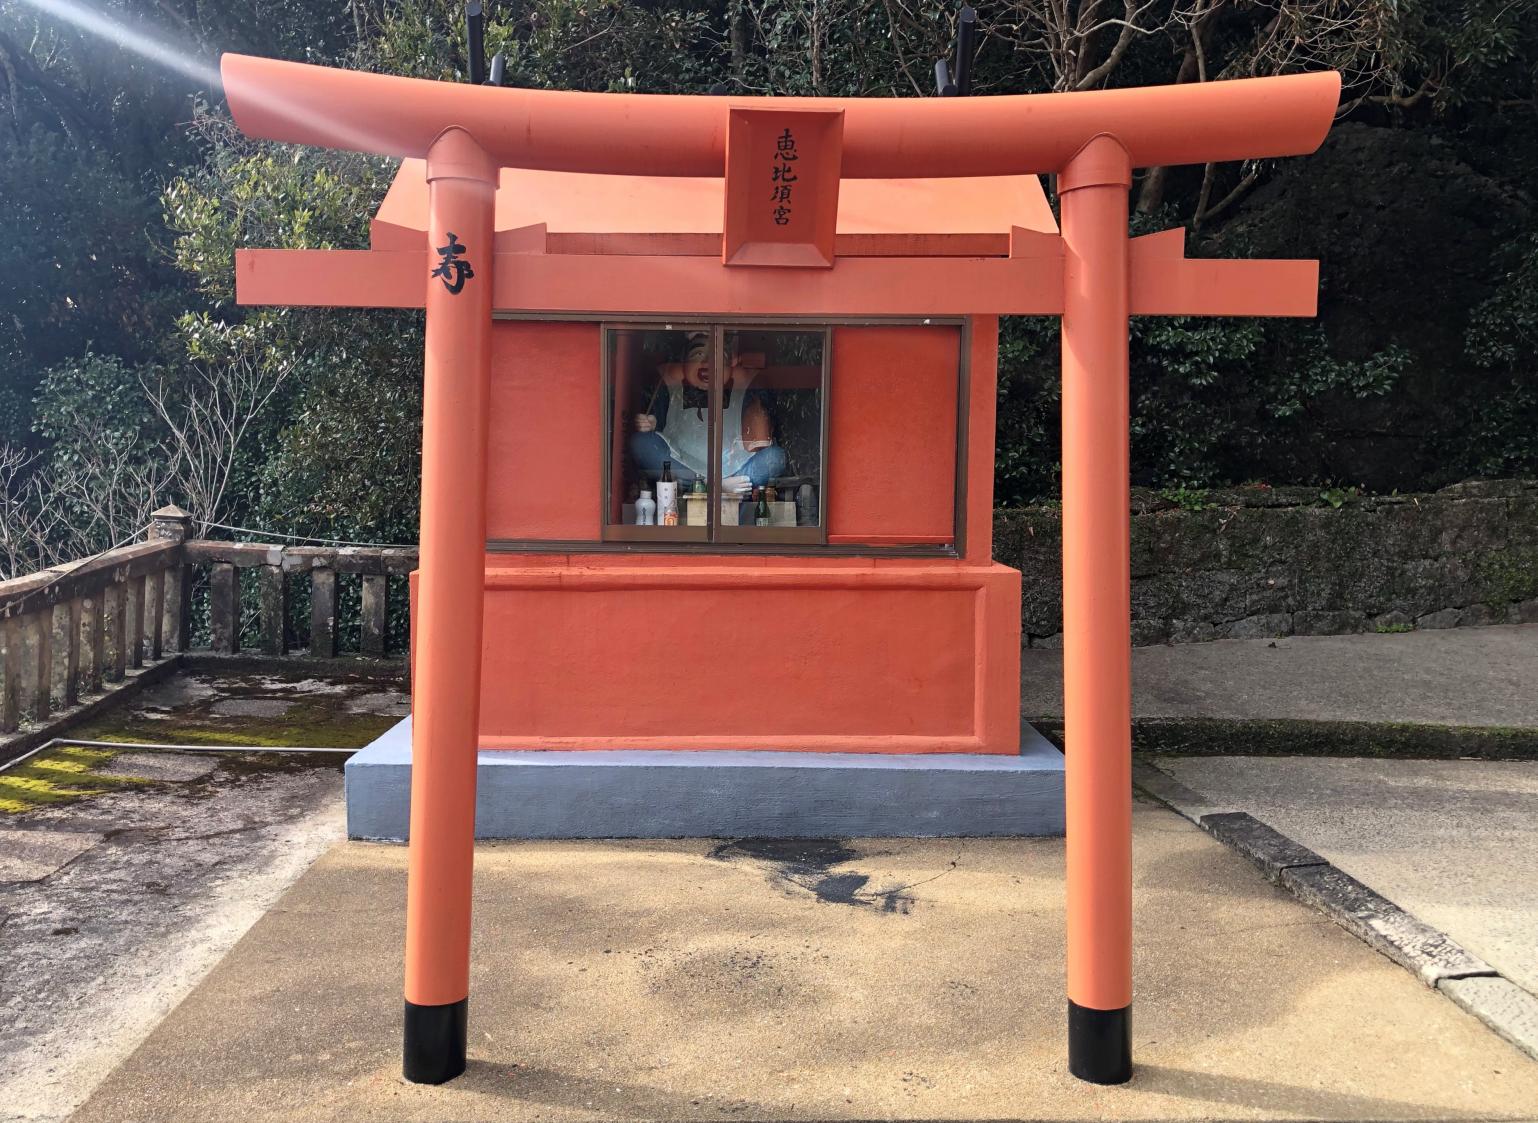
(679, 135)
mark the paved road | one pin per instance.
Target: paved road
(868, 979)
(1455, 843)
(1458, 676)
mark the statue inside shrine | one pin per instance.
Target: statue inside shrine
(676, 423)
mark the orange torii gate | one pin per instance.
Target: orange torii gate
(1092, 275)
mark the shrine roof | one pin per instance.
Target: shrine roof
(585, 203)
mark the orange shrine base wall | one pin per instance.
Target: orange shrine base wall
(847, 655)
(656, 653)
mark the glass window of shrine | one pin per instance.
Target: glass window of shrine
(716, 434)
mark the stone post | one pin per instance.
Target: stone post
(169, 524)
(172, 524)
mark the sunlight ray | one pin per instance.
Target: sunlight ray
(181, 58)
(187, 60)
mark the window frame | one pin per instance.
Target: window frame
(713, 533)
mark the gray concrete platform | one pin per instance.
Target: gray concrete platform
(875, 979)
(618, 794)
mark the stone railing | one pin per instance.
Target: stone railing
(273, 567)
(78, 630)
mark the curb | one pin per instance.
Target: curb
(1206, 736)
(1436, 959)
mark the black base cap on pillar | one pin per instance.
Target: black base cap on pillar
(435, 1041)
(1100, 1044)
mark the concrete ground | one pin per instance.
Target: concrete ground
(1456, 676)
(126, 875)
(1455, 843)
(916, 979)
(169, 875)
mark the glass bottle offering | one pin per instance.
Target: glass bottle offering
(761, 509)
(667, 496)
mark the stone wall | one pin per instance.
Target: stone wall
(1261, 561)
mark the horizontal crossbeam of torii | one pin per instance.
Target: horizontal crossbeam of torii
(1091, 274)
(662, 135)
(1163, 282)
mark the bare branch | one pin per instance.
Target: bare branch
(210, 420)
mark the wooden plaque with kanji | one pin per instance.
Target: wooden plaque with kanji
(782, 176)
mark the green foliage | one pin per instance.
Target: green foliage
(337, 453)
(101, 388)
(109, 296)
(1213, 401)
(1184, 370)
(77, 269)
(1027, 456)
(1502, 338)
(1187, 498)
(347, 462)
(1456, 53)
(91, 129)
(555, 44)
(106, 457)
(247, 195)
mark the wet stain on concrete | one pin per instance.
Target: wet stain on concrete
(807, 863)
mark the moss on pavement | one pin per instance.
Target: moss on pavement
(201, 708)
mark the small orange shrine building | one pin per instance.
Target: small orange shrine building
(869, 615)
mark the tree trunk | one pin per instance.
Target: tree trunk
(739, 29)
(1150, 196)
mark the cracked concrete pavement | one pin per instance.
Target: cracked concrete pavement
(126, 875)
(99, 950)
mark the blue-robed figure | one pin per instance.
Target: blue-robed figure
(677, 425)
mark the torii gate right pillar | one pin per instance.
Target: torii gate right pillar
(1097, 643)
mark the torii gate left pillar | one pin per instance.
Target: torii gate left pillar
(446, 705)
(1097, 609)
